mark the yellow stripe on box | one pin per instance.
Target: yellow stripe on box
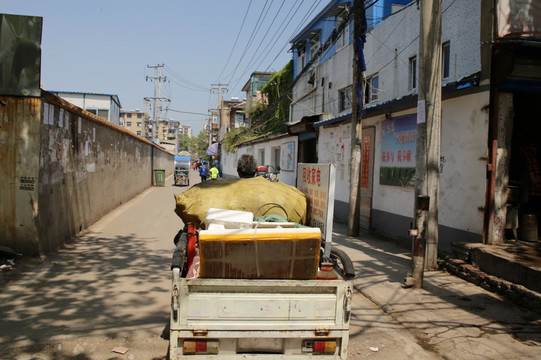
(259, 236)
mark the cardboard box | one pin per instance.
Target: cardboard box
(277, 253)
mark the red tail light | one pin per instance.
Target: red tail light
(192, 347)
(324, 347)
(319, 346)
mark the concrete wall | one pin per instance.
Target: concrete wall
(19, 172)
(65, 169)
(334, 147)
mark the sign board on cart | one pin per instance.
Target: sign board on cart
(317, 181)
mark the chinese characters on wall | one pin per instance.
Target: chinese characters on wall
(316, 181)
(365, 174)
(398, 147)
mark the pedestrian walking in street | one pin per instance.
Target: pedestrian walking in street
(203, 171)
(219, 167)
(214, 172)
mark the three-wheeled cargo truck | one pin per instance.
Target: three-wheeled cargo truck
(182, 170)
(243, 289)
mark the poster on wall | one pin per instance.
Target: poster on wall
(398, 148)
(317, 182)
(287, 157)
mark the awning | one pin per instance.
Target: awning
(305, 124)
(333, 120)
(213, 149)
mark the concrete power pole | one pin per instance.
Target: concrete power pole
(219, 87)
(157, 99)
(428, 142)
(356, 126)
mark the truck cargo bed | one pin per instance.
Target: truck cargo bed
(261, 319)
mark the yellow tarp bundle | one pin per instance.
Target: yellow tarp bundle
(243, 195)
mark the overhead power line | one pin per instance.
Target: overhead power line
(262, 41)
(236, 40)
(252, 35)
(185, 82)
(265, 53)
(300, 25)
(185, 112)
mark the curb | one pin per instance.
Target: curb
(517, 294)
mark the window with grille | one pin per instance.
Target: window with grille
(446, 59)
(371, 90)
(412, 79)
(344, 96)
(314, 46)
(343, 37)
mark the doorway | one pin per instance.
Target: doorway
(308, 150)
(524, 201)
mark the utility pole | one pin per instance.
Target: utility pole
(425, 246)
(218, 87)
(157, 99)
(356, 126)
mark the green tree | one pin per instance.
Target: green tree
(196, 146)
(185, 143)
(201, 144)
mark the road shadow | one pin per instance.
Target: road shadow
(93, 285)
(383, 266)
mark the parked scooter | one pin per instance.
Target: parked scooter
(266, 172)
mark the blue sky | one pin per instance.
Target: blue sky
(106, 46)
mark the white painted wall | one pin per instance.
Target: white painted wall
(463, 166)
(334, 147)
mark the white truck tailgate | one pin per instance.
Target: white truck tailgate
(260, 319)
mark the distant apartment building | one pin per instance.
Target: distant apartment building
(235, 113)
(231, 115)
(185, 130)
(134, 121)
(106, 106)
(253, 87)
(168, 130)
